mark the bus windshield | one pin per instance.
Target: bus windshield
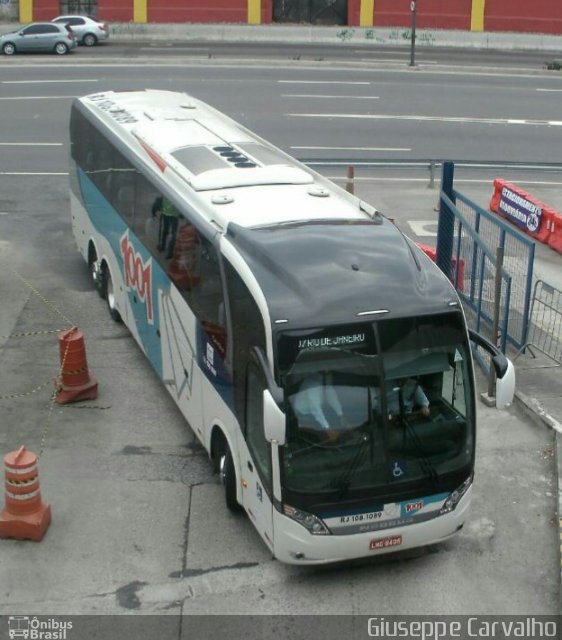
(385, 403)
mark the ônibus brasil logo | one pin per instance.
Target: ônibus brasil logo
(138, 274)
(35, 629)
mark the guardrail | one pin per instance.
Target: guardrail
(433, 165)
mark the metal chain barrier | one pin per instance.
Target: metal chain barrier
(14, 396)
(49, 304)
(30, 334)
(58, 312)
(47, 423)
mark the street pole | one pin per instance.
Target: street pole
(496, 318)
(413, 10)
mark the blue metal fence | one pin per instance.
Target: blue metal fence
(467, 240)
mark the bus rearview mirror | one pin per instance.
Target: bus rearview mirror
(505, 387)
(273, 419)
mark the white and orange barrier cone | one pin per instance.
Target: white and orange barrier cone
(24, 517)
(74, 382)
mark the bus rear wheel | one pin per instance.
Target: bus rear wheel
(96, 273)
(110, 295)
(227, 474)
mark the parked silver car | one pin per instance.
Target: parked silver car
(88, 31)
(39, 36)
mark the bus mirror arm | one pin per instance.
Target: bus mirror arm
(505, 371)
(261, 361)
(499, 361)
(274, 420)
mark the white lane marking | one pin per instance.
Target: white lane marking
(32, 173)
(48, 81)
(168, 47)
(403, 52)
(312, 95)
(485, 181)
(549, 90)
(420, 118)
(320, 82)
(397, 61)
(39, 98)
(31, 144)
(355, 148)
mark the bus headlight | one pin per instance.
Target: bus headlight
(451, 502)
(308, 521)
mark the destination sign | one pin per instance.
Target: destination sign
(327, 342)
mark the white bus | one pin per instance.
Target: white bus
(296, 328)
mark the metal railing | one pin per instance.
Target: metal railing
(491, 264)
(545, 327)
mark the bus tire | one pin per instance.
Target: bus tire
(110, 295)
(96, 274)
(228, 479)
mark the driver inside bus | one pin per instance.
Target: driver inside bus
(402, 396)
(317, 406)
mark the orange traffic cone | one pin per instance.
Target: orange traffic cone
(74, 383)
(24, 517)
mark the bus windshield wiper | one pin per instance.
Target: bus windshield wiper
(350, 471)
(425, 463)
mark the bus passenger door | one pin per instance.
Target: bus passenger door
(255, 459)
(180, 372)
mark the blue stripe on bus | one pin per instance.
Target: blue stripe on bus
(407, 507)
(109, 224)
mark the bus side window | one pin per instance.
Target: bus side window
(146, 225)
(247, 331)
(195, 270)
(255, 436)
(123, 194)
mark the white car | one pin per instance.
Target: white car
(87, 30)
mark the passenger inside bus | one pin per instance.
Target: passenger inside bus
(168, 228)
(317, 406)
(402, 397)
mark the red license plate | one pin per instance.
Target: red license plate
(384, 543)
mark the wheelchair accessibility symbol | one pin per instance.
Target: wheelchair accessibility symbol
(397, 471)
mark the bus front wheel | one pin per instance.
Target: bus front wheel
(110, 295)
(228, 479)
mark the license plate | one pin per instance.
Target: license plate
(384, 543)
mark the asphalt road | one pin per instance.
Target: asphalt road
(139, 524)
(388, 112)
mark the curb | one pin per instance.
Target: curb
(532, 408)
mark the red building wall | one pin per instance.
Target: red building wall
(44, 10)
(530, 16)
(526, 16)
(353, 11)
(115, 10)
(266, 11)
(431, 14)
(198, 11)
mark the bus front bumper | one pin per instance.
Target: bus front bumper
(293, 544)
